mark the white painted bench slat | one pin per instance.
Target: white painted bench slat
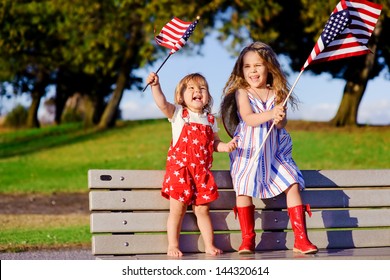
(313, 178)
(224, 220)
(152, 200)
(157, 244)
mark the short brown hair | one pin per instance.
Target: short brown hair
(182, 86)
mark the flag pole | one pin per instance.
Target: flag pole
(159, 69)
(273, 123)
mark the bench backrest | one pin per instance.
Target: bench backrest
(351, 208)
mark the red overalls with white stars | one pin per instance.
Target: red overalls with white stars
(188, 177)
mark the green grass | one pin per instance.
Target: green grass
(56, 159)
(360, 148)
(62, 166)
(24, 239)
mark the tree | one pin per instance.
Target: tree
(101, 42)
(292, 28)
(23, 29)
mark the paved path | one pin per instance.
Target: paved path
(63, 254)
(382, 253)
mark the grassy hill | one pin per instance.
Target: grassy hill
(56, 159)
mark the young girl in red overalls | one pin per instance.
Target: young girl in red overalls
(188, 179)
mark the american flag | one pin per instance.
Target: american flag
(174, 34)
(347, 31)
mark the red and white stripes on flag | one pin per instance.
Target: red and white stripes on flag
(347, 31)
(174, 34)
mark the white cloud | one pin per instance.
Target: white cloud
(132, 110)
(375, 112)
(314, 112)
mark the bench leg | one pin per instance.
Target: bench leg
(298, 223)
(246, 217)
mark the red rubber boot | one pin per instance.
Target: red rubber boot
(298, 223)
(246, 216)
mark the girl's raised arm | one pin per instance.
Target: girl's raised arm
(166, 107)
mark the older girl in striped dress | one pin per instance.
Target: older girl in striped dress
(252, 102)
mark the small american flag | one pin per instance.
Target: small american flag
(174, 34)
(347, 31)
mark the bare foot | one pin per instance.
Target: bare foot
(214, 251)
(174, 252)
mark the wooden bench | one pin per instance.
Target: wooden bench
(351, 209)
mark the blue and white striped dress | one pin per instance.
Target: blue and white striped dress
(274, 170)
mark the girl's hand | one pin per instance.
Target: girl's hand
(153, 79)
(232, 145)
(279, 113)
(220, 146)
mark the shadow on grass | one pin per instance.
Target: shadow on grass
(22, 142)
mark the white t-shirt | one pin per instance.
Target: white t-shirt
(178, 122)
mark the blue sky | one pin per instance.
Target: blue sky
(319, 96)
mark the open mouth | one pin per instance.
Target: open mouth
(197, 98)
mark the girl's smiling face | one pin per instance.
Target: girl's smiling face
(196, 96)
(255, 70)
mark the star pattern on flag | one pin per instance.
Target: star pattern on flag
(335, 25)
(190, 30)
